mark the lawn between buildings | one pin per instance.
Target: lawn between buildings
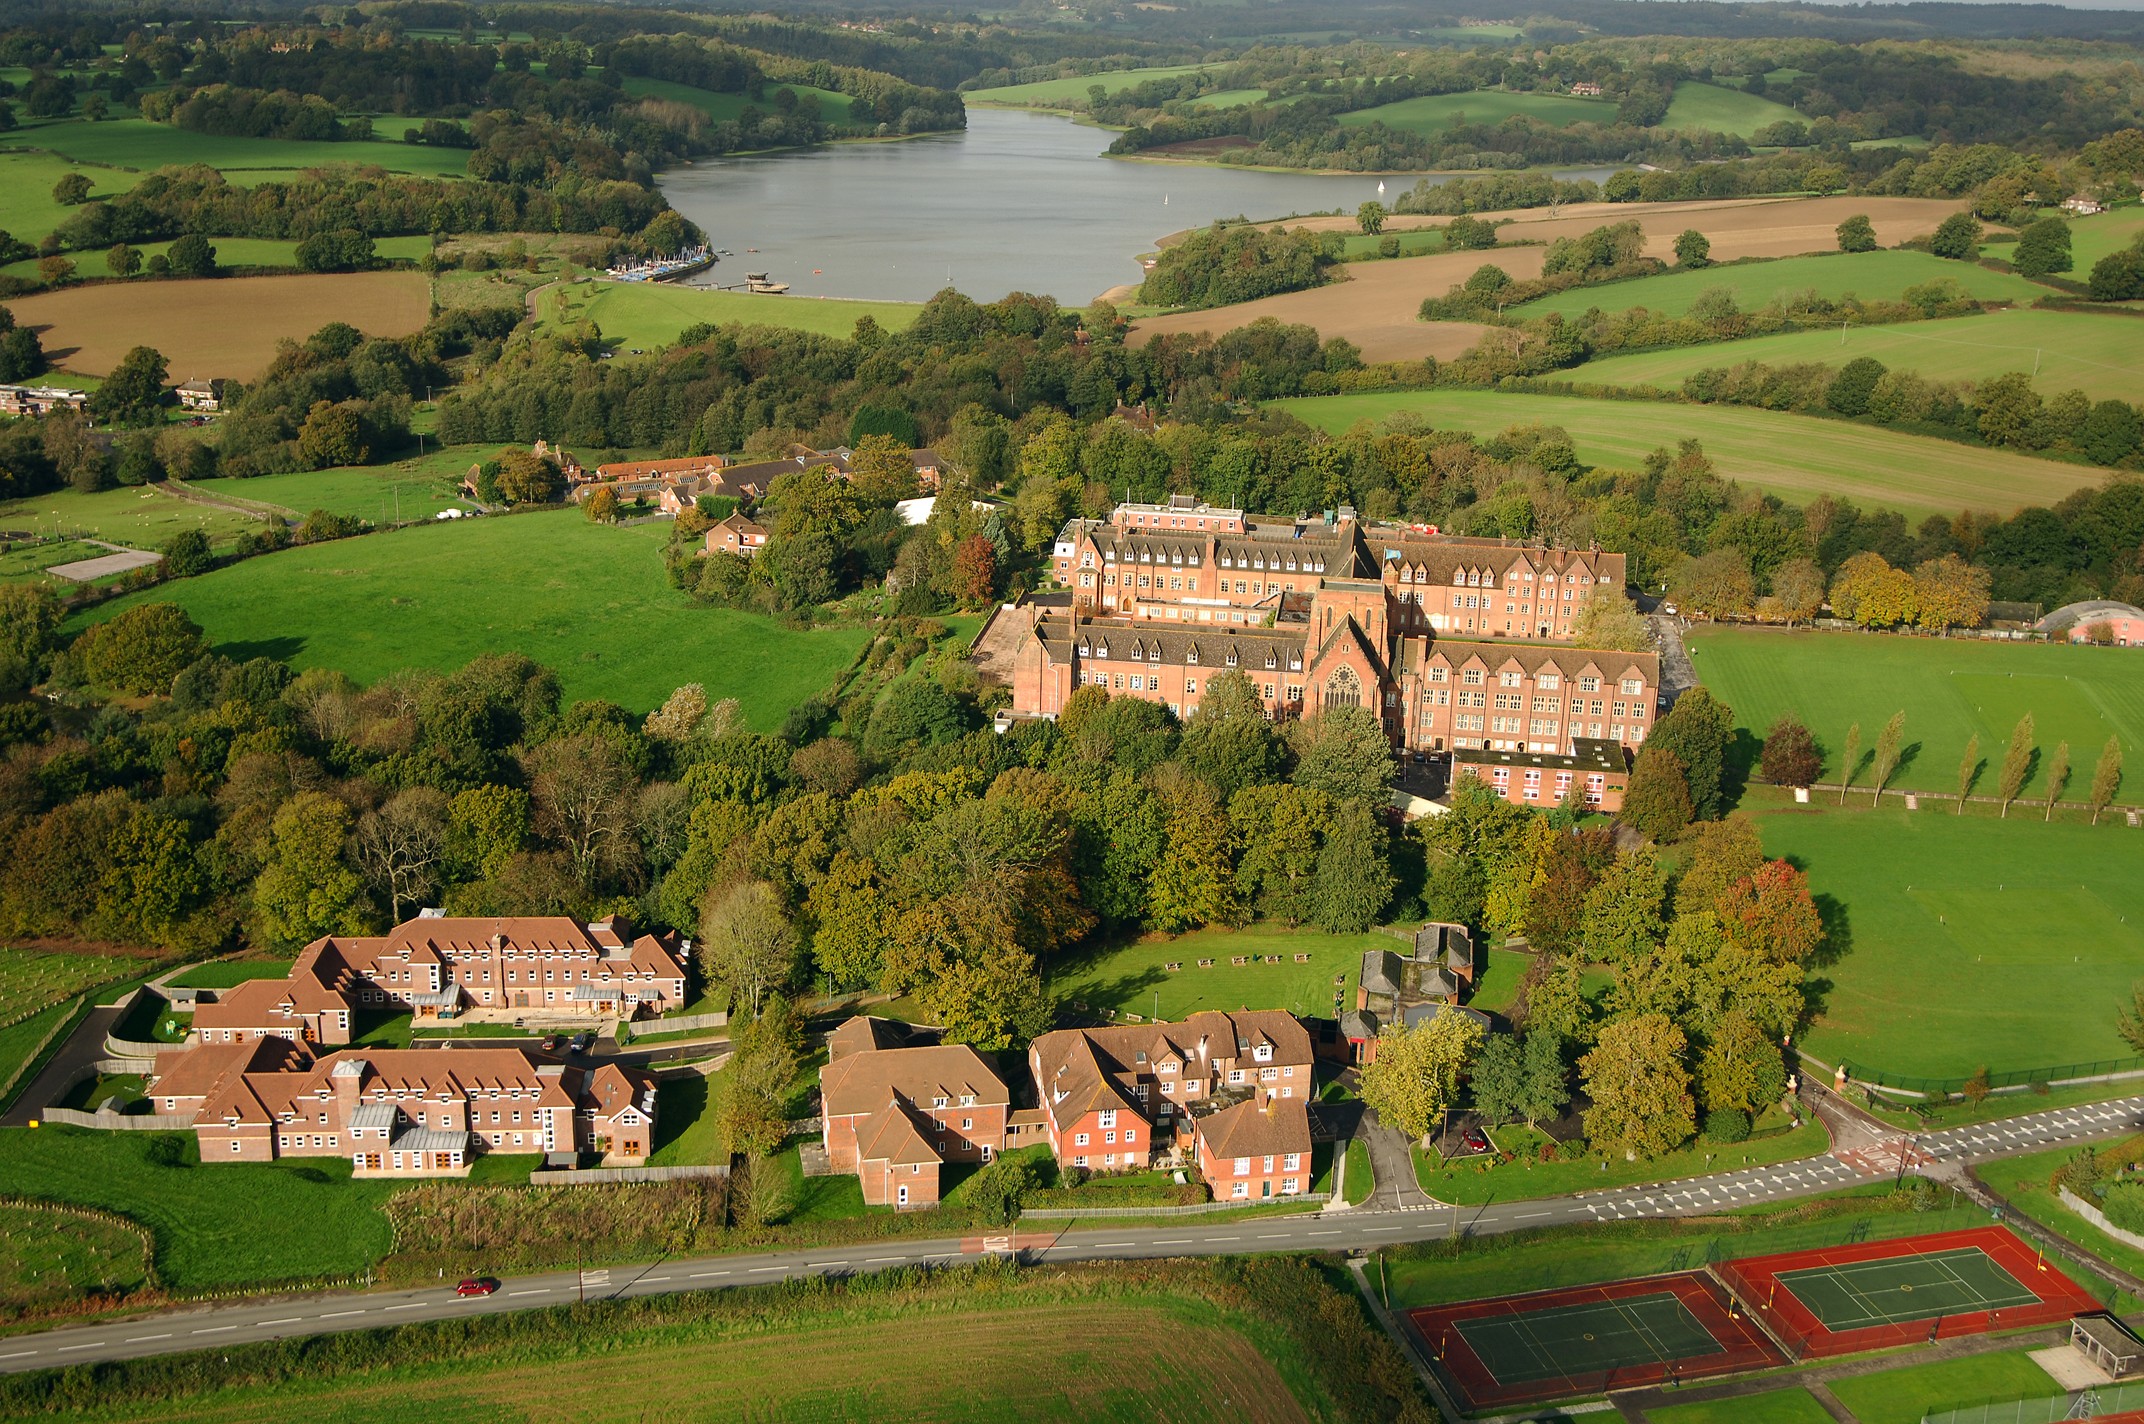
(1797, 457)
(589, 601)
(1273, 1340)
(2095, 352)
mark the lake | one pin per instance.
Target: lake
(1021, 201)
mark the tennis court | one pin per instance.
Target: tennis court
(1582, 1340)
(1844, 1299)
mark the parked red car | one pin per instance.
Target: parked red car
(477, 1285)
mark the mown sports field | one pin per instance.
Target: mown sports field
(1950, 689)
(590, 601)
(2099, 354)
(1794, 456)
(1872, 276)
(1958, 942)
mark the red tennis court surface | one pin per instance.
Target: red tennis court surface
(1553, 1344)
(1840, 1300)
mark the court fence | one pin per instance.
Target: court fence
(2049, 1409)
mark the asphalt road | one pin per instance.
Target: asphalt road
(312, 1314)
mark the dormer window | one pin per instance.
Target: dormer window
(1271, 660)
(1459, 579)
(1191, 654)
(938, 1102)
(1263, 1052)
(1167, 1068)
(1231, 657)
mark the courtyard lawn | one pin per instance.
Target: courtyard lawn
(1074, 88)
(1906, 1396)
(1711, 108)
(2023, 1183)
(2101, 355)
(1871, 276)
(408, 489)
(1429, 114)
(687, 1121)
(1793, 1405)
(1962, 941)
(229, 973)
(140, 517)
(1437, 1273)
(1794, 456)
(590, 601)
(1498, 987)
(1128, 978)
(138, 144)
(216, 1224)
(645, 315)
(1950, 689)
(721, 108)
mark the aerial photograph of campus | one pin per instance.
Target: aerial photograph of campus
(1228, 711)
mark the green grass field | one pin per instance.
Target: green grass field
(26, 206)
(1775, 1139)
(1905, 1396)
(1794, 456)
(1950, 689)
(408, 489)
(230, 252)
(1429, 114)
(1963, 941)
(1129, 977)
(1059, 91)
(1793, 1405)
(217, 1225)
(590, 601)
(2101, 355)
(645, 315)
(47, 1254)
(1717, 110)
(1871, 276)
(2090, 239)
(833, 107)
(32, 978)
(2022, 1182)
(140, 517)
(139, 144)
(1230, 98)
(27, 563)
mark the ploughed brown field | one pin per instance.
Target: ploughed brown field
(224, 327)
(1375, 305)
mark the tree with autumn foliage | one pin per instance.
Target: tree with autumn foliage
(975, 570)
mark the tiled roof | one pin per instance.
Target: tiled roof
(859, 1082)
(1255, 1128)
(1534, 658)
(891, 1135)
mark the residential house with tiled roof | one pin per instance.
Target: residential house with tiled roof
(1412, 982)
(895, 1115)
(402, 1111)
(1256, 1149)
(736, 535)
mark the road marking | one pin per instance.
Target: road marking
(1105, 1245)
(883, 1260)
(1529, 1215)
(1274, 1236)
(546, 1290)
(18, 1355)
(1324, 1233)
(651, 1280)
(703, 1275)
(286, 1320)
(1373, 1230)
(1239, 1238)
(822, 1265)
(762, 1270)
(212, 1330)
(145, 1339)
(85, 1345)
(1177, 1241)
(406, 1305)
(339, 1314)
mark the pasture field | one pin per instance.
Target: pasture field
(229, 1224)
(1710, 107)
(27, 563)
(1167, 1334)
(1074, 89)
(142, 517)
(140, 145)
(1909, 1394)
(2101, 355)
(590, 601)
(1963, 941)
(230, 252)
(1950, 689)
(2090, 239)
(26, 206)
(833, 107)
(197, 325)
(646, 315)
(1794, 456)
(1871, 276)
(1230, 98)
(1429, 114)
(1129, 977)
(407, 489)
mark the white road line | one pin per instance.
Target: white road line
(882, 1260)
(651, 1280)
(212, 1330)
(1274, 1236)
(145, 1339)
(339, 1314)
(286, 1320)
(85, 1345)
(546, 1290)
(1324, 1233)
(18, 1355)
(406, 1305)
(703, 1275)
(1105, 1245)
(1239, 1238)
(762, 1270)
(1175, 1241)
